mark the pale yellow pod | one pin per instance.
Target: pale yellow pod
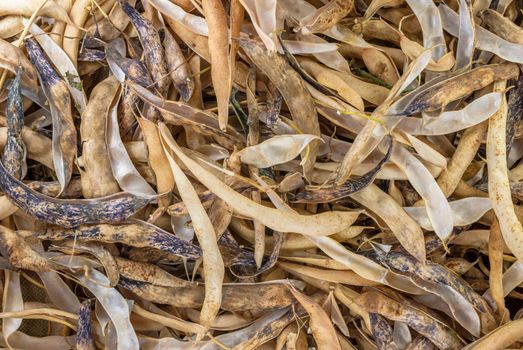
(97, 177)
(413, 50)
(403, 15)
(462, 157)
(314, 225)
(499, 189)
(72, 34)
(204, 230)
(237, 13)
(27, 8)
(406, 230)
(495, 251)
(334, 276)
(380, 65)
(326, 16)
(100, 11)
(331, 79)
(501, 338)
(109, 28)
(10, 26)
(157, 160)
(170, 321)
(376, 29)
(322, 328)
(220, 60)
(375, 5)
(397, 56)
(502, 26)
(57, 32)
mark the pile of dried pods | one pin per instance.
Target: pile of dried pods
(261, 174)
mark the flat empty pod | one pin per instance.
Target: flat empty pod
(376, 5)
(276, 150)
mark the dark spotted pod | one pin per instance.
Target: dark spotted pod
(15, 150)
(84, 336)
(349, 187)
(70, 212)
(137, 234)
